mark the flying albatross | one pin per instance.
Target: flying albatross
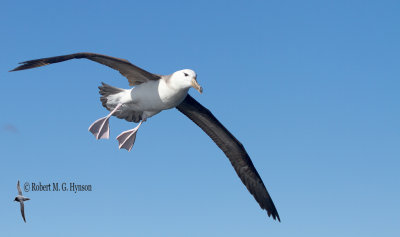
(152, 93)
(21, 199)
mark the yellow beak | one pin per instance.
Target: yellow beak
(196, 85)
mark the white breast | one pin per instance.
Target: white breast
(156, 96)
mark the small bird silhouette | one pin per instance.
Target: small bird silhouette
(21, 199)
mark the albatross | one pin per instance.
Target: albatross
(152, 93)
(21, 199)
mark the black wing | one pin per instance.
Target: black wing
(134, 74)
(233, 149)
(21, 203)
(19, 189)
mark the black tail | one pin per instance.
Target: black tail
(107, 90)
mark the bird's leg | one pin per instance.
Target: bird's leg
(127, 138)
(100, 128)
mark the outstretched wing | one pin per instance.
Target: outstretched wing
(22, 210)
(19, 189)
(134, 74)
(233, 149)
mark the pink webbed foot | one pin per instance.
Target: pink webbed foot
(127, 138)
(100, 128)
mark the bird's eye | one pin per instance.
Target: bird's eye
(186, 74)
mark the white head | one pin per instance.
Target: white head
(186, 78)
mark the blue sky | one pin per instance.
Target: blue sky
(311, 88)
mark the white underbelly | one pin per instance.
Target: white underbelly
(155, 96)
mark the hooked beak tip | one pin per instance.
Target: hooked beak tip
(196, 86)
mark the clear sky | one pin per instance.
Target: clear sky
(311, 88)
